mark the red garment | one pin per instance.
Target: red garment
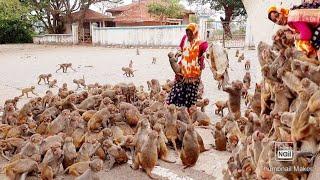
(303, 29)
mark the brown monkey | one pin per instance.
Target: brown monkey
(86, 116)
(143, 129)
(24, 114)
(78, 168)
(65, 67)
(52, 83)
(220, 137)
(59, 124)
(154, 60)
(25, 91)
(247, 65)
(190, 147)
(202, 104)
(88, 149)
(137, 51)
(79, 82)
(155, 87)
(128, 71)
(32, 148)
(256, 100)
(247, 79)
(44, 77)
(14, 101)
(54, 157)
(171, 130)
(9, 116)
(148, 156)
(20, 168)
(46, 172)
(90, 103)
(162, 140)
(131, 64)
(241, 57)
(116, 153)
(130, 113)
(237, 53)
(95, 166)
(198, 117)
(173, 62)
(19, 131)
(183, 115)
(282, 96)
(70, 153)
(234, 98)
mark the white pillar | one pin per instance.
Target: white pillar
(202, 25)
(249, 41)
(75, 33)
(94, 34)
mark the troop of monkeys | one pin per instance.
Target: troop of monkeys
(81, 133)
(285, 107)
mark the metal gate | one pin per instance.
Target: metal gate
(231, 35)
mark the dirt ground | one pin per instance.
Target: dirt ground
(21, 64)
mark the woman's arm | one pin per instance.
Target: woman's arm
(202, 49)
(304, 30)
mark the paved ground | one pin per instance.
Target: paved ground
(21, 64)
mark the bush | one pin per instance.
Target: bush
(15, 31)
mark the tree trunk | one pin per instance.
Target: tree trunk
(228, 12)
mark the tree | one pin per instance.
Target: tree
(54, 14)
(231, 8)
(15, 24)
(166, 9)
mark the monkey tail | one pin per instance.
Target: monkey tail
(4, 156)
(66, 170)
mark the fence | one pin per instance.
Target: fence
(53, 39)
(231, 35)
(138, 36)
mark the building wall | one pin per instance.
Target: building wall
(121, 24)
(139, 35)
(261, 27)
(53, 39)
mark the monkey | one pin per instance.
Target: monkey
(78, 168)
(155, 87)
(154, 60)
(241, 57)
(19, 131)
(183, 115)
(131, 64)
(171, 130)
(59, 124)
(256, 100)
(79, 82)
(50, 141)
(202, 104)
(12, 146)
(162, 140)
(128, 71)
(93, 86)
(173, 62)
(105, 102)
(219, 137)
(47, 99)
(25, 91)
(70, 153)
(54, 157)
(10, 116)
(65, 67)
(130, 113)
(44, 77)
(87, 149)
(90, 103)
(282, 96)
(137, 51)
(244, 91)
(14, 101)
(220, 107)
(86, 116)
(148, 156)
(237, 53)
(4, 128)
(20, 168)
(199, 117)
(115, 152)
(234, 98)
(32, 148)
(247, 65)
(143, 129)
(24, 114)
(52, 83)
(190, 147)
(247, 79)
(99, 119)
(95, 166)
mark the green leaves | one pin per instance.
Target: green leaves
(166, 8)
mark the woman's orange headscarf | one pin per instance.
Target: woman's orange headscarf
(278, 10)
(193, 27)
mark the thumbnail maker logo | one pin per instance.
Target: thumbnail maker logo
(284, 151)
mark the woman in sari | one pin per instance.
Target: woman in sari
(186, 86)
(305, 21)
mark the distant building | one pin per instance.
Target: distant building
(136, 14)
(89, 18)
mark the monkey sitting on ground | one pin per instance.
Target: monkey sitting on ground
(247, 79)
(25, 91)
(44, 77)
(148, 156)
(199, 117)
(14, 101)
(190, 147)
(65, 67)
(220, 107)
(20, 168)
(70, 153)
(247, 65)
(220, 137)
(10, 116)
(241, 57)
(171, 130)
(202, 104)
(237, 53)
(162, 140)
(91, 174)
(116, 153)
(52, 83)
(128, 71)
(234, 98)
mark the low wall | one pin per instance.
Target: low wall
(138, 35)
(53, 39)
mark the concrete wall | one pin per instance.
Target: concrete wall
(53, 39)
(260, 27)
(139, 35)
